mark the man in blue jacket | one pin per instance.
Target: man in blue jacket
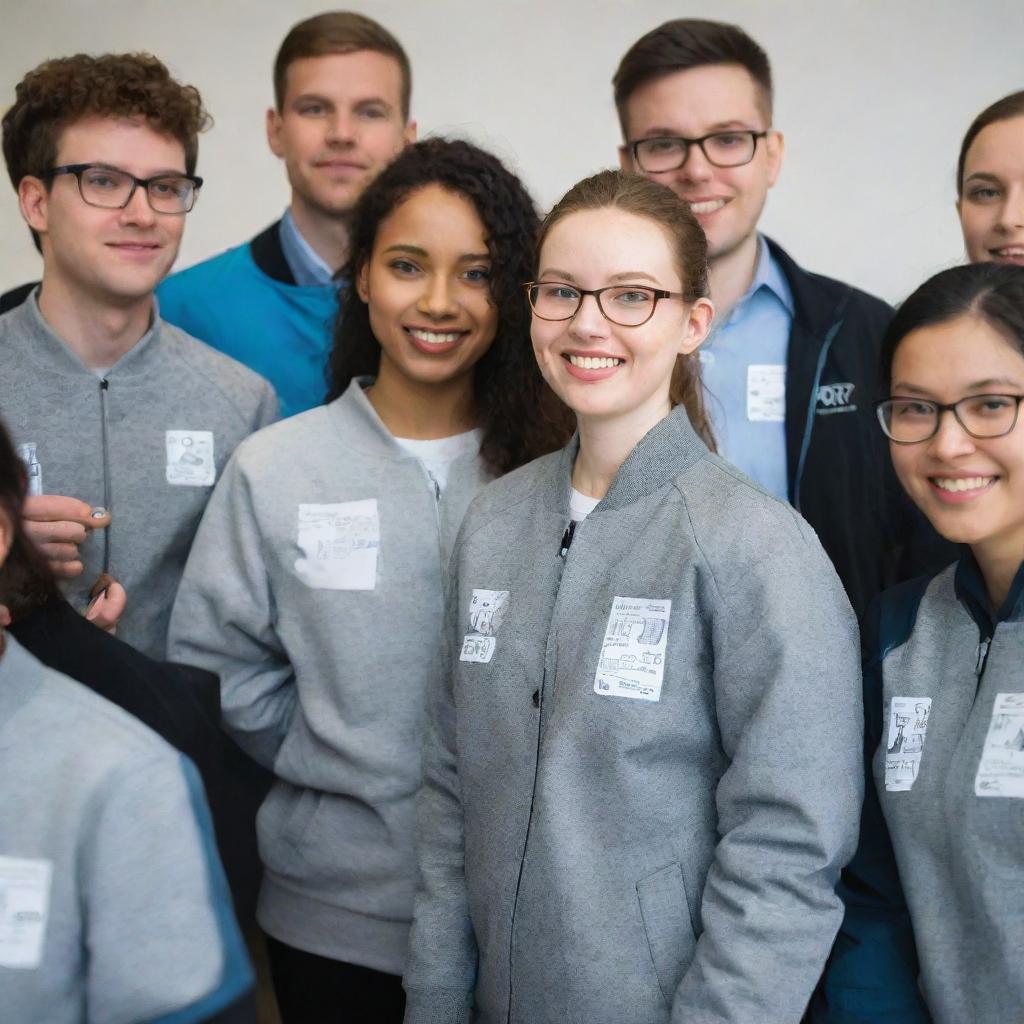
(342, 86)
(791, 365)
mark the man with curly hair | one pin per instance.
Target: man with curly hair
(342, 87)
(126, 421)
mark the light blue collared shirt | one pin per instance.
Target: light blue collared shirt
(307, 267)
(743, 363)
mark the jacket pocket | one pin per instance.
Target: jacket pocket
(666, 917)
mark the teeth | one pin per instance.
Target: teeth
(594, 362)
(434, 337)
(1010, 251)
(967, 483)
(707, 207)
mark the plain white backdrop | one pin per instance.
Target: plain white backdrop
(873, 97)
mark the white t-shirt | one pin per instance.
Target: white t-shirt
(436, 456)
(581, 505)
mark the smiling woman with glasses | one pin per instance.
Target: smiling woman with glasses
(935, 896)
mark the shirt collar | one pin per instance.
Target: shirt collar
(972, 593)
(305, 263)
(768, 274)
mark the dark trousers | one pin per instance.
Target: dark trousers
(314, 989)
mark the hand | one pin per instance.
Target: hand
(57, 525)
(107, 607)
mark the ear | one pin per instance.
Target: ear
(34, 201)
(274, 132)
(409, 133)
(626, 160)
(698, 323)
(775, 146)
(362, 283)
(959, 206)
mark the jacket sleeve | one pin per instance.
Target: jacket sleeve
(223, 619)
(871, 976)
(268, 410)
(788, 699)
(441, 972)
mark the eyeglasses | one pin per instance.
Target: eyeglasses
(913, 420)
(112, 189)
(627, 305)
(669, 152)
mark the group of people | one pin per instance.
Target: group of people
(536, 612)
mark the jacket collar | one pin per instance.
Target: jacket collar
(818, 302)
(969, 585)
(668, 449)
(48, 350)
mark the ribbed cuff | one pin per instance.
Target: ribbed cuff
(440, 1006)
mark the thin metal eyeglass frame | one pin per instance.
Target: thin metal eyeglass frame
(940, 408)
(79, 169)
(658, 293)
(688, 143)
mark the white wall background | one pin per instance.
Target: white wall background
(872, 95)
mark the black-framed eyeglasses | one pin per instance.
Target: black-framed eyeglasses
(112, 189)
(669, 152)
(627, 305)
(913, 420)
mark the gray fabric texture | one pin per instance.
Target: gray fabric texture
(134, 928)
(590, 857)
(959, 854)
(167, 382)
(327, 686)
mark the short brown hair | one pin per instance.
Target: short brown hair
(339, 32)
(645, 198)
(1002, 110)
(687, 43)
(62, 91)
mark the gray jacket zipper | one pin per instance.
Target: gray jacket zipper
(107, 489)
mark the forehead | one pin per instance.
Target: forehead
(360, 75)
(947, 358)
(696, 101)
(126, 142)
(594, 245)
(434, 219)
(998, 146)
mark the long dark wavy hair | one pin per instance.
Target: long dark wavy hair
(520, 416)
(25, 579)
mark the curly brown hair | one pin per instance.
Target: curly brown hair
(62, 91)
(520, 415)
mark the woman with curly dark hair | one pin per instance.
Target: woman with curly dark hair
(315, 585)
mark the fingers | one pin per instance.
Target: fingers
(108, 607)
(57, 524)
(63, 559)
(56, 533)
(52, 508)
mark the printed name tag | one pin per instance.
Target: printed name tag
(908, 723)
(190, 460)
(24, 906)
(1001, 771)
(339, 545)
(632, 661)
(486, 611)
(766, 393)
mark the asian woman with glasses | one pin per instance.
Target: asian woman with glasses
(935, 895)
(315, 584)
(642, 775)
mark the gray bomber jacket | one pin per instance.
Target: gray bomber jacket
(635, 811)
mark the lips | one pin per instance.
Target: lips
(703, 207)
(432, 342)
(956, 490)
(591, 366)
(1008, 254)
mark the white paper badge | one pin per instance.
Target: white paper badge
(766, 393)
(1001, 771)
(24, 907)
(190, 460)
(486, 610)
(339, 544)
(908, 723)
(632, 661)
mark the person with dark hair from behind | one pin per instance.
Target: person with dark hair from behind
(934, 926)
(124, 420)
(113, 905)
(324, 547)
(791, 363)
(990, 183)
(342, 88)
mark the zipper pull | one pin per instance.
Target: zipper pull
(567, 539)
(982, 656)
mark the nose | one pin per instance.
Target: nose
(340, 128)
(950, 440)
(589, 321)
(438, 300)
(1011, 213)
(696, 166)
(138, 211)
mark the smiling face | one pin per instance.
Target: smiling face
(101, 255)
(600, 370)
(339, 125)
(991, 206)
(972, 489)
(427, 286)
(727, 201)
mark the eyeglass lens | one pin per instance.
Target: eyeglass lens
(628, 306)
(724, 149)
(909, 420)
(110, 188)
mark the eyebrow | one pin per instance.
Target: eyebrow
(718, 126)
(418, 250)
(900, 386)
(626, 275)
(983, 176)
(170, 173)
